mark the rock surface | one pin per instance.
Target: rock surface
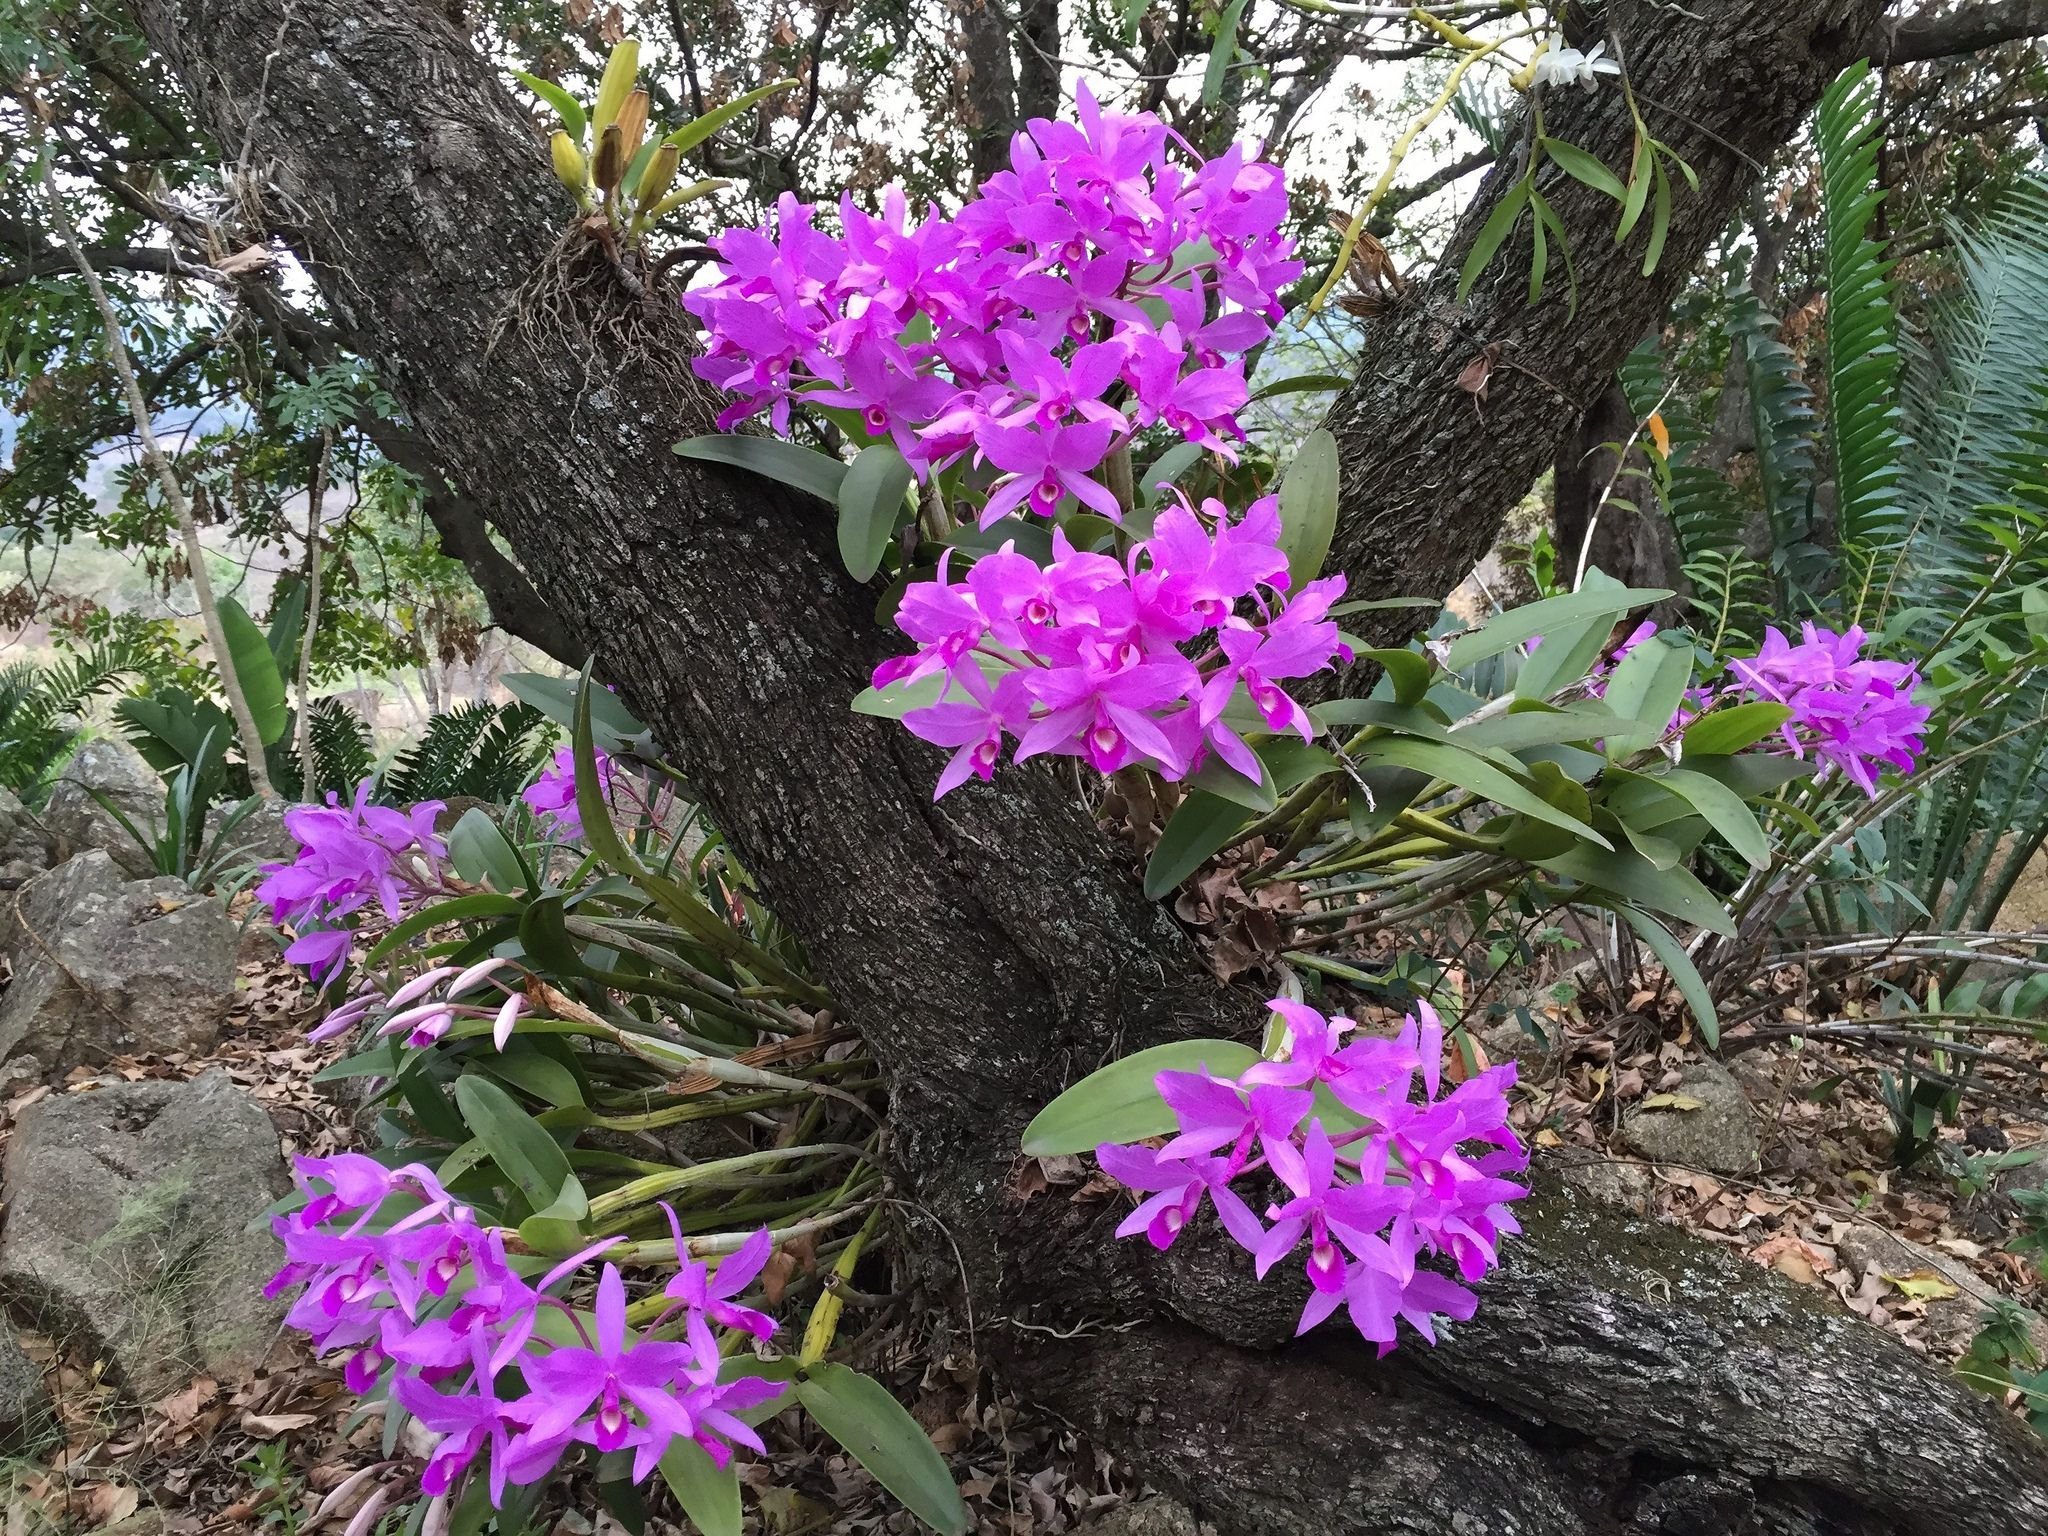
(1534, 1059)
(1617, 1185)
(77, 822)
(25, 1418)
(1704, 1122)
(1155, 1515)
(1951, 1320)
(25, 844)
(128, 1215)
(258, 838)
(105, 967)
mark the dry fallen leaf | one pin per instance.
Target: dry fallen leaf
(1673, 1101)
(1925, 1285)
(268, 1426)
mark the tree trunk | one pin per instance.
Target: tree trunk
(991, 947)
(1428, 473)
(1627, 536)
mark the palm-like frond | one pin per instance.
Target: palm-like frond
(1863, 355)
(39, 706)
(342, 753)
(1973, 395)
(483, 750)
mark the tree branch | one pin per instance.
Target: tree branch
(1428, 471)
(1970, 30)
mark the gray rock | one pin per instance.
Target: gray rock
(1155, 1515)
(128, 1228)
(1602, 1180)
(1715, 1130)
(258, 838)
(78, 822)
(1534, 1059)
(1951, 1321)
(25, 1420)
(106, 967)
(25, 844)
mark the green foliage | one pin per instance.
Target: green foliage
(1863, 357)
(480, 750)
(2002, 1359)
(39, 709)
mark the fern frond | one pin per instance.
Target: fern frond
(342, 754)
(1863, 355)
(483, 750)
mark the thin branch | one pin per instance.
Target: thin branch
(174, 493)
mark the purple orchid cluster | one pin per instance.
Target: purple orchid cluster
(1851, 710)
(1374, 1178)
(552, 795)
(400, 1279)
(1108, 281)
(349, 856)
(1118, 662)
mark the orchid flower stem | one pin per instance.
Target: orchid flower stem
(1342, 265)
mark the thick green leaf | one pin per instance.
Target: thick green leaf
(1456, 765)
(1492, 236)
(615, 728)
(287, 624)
(567, 107)
(1407, 673)
(540, 1076)
(1629, 875)
(1291, 762)
(481, 855)
(1221, 53)
(1646, 688)
(819, 474)
(870, 501)
(900, 698)
(698, 129)
(1724, 812)
(1216, 777)
(1533, 724)
(1201, 825)
(1308, 507)
(879, 1433)
(1582, 167)
(1167, 468)
(710, 1496)
(1566, 655)
(524, 1152)
(456, 909)
(1684, 974)
(1752, 775)
(1120, 1102)
(380, 1060)
(1303, 383)
(255, 669)
(1386, 792)
(1510, 629)
(1722, 731)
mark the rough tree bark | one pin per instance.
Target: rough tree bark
(1429, 471)
(993, 946)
